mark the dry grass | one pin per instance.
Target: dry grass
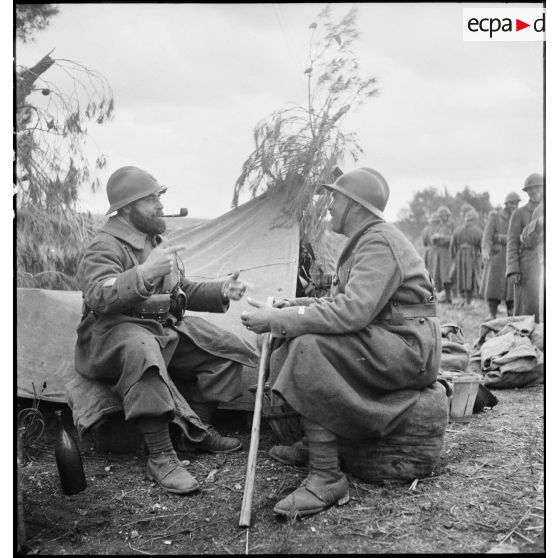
(487, 490)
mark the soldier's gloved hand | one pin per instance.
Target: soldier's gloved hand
(233, 288)
(161, 260)
(258, 320)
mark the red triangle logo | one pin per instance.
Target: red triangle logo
(519, 25)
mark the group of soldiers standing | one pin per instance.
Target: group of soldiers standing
(502, 263)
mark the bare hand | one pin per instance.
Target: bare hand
(259, 320)
(161, 260)
(515, 278)
(283, 303)
(233, 288)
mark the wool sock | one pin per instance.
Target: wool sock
(156, 434)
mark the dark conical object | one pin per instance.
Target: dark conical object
(68, 460)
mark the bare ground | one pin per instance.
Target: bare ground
(486, 493)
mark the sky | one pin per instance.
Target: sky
(190, 82)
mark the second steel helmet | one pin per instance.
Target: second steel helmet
(443, 210)
(365, 186)
(471, 215)
(129, 184)
(533, 180)
(512, 197)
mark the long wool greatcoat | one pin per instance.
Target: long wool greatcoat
(441, 259)
(341, 361)
(533, 237)
(112, 286)
(523, 260)
(465, 248)
(494, 284)
(428, 249)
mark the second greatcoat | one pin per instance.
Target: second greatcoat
(440, 237)
(465, 248)
(524, 260)
(342, 361)
(494, 284)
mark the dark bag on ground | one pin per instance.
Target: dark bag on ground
(411, 451)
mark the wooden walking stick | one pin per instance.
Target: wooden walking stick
(246, 510)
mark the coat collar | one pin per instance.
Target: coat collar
(120, 228)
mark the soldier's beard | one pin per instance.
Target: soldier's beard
(147, 225)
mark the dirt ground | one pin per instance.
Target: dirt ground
(486, 494)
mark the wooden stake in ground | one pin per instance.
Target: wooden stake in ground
(246, 510)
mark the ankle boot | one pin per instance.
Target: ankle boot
(169, 473)
(297, 454)
(325, 485)
(213, 442)
(447, 288)
(493, 308)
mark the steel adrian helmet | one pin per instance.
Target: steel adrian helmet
(533, 180)
(443, 210)
(365, 186)
(512, 197)
(434, 219)
(129, 184)
(471, 215)
(465, 207)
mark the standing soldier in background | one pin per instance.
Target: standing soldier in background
(465, 247)
(533, 238)
(433, 222)
(495, 285)
(441, 259)
(522, 263)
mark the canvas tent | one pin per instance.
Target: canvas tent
(257, 238)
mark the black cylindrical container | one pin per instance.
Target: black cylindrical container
(68, 460)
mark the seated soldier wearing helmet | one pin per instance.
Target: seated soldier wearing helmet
(133, 336)
(352, 364)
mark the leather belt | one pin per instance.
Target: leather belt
(397, 313)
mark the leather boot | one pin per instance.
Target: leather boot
(509, 307)
(447, 288)
(325, 485)
(493, 308)
(213, 442)
(296, 455)
(167, 471)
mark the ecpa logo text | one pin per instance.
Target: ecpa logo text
(493, 25)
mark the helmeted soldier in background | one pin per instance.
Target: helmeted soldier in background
(433, 222)
(352, 364)
(532, 237)
(465, 248)
(441, 258)
(133, 336)
(522, 262)
(463, 210)
(495, 286)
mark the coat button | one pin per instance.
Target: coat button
(422, 370)
(421, 320)
(283, 332)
